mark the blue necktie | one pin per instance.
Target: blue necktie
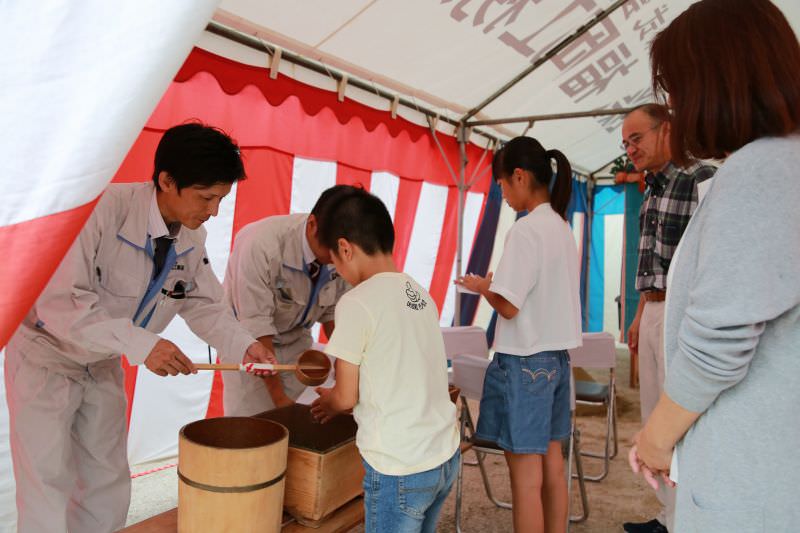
(160, 255)
(314, 269)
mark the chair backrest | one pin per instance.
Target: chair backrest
(465, 340)
(598, 351)
(468, 373)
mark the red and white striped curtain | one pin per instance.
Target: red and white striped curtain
(296, 141)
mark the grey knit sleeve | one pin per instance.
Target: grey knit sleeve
(744, 270)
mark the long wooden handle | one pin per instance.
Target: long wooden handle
(231, 366)
(209, 366)
(294, 367)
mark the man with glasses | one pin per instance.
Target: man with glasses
(669, 201)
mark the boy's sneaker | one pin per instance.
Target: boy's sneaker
(653, 526)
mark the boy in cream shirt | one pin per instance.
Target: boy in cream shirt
(391, 370)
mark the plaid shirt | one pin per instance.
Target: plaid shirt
(669, 201)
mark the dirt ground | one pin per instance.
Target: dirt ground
(620, 497)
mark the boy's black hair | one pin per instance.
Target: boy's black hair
(361, 218)
(328, 199)
(196, 154)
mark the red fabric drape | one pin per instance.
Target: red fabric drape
(267, 190)
(404, 214)
(447, 250)
(297, 119)
(31, 252)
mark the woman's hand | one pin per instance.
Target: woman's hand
(653, 445)
(655, 457)
(650, 461)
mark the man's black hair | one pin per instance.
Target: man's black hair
(196, 154)
(362, 219)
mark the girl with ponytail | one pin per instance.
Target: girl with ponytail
(525, 408)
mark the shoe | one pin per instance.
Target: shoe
(653, 526)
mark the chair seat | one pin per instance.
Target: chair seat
(591, 391)
(487, 444)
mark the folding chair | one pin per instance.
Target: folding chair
(574, 452)
(461, 340)
(598, 352)
(468, 374)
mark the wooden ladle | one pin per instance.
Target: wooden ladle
(312, 368)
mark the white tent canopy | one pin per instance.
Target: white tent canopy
(450, 56)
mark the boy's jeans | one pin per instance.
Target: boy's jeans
(407, 504)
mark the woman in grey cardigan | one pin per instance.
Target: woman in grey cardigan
(732, 329)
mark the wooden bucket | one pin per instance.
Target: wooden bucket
(231, 475)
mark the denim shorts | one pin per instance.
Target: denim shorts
(526, 401)
(410, 503)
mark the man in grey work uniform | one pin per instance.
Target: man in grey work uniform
(279, 283)
(139, 261)
(669, 201)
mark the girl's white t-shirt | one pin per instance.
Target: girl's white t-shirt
(538, 274)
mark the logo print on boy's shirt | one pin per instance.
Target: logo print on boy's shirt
(414, 302)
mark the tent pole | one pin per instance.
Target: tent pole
(452, 172)
(552, 116)
(463, 134)
(590, 183)
(543, 59)
(475, 174)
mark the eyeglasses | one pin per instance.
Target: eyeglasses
(636, 138)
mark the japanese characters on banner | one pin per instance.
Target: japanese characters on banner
(605, 68)
(648, 19)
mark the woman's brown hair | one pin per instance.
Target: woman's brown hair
(732, 71)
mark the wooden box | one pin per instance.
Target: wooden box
(324, 469)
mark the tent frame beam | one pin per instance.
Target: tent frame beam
(604, 166)
(256, 43)
(551, 116)
(544, 59)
